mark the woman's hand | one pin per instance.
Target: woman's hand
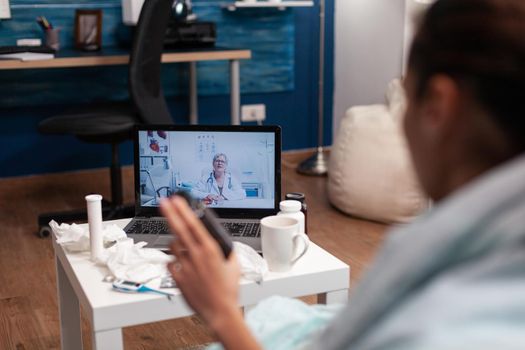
(208, 282)
(207, 200)
(210, 199)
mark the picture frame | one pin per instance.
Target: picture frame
(88, 29)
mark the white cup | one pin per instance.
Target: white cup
(281, 242)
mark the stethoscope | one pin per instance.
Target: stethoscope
(209, 182)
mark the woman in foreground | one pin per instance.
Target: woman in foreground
(455, 278)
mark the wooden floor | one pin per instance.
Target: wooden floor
(28, 302)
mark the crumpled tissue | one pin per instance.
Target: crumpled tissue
(76, 238)
(124, 259)
(253, 266)
(135, 263)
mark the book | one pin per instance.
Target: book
(27, 56)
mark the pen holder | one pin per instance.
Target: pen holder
(52, 38)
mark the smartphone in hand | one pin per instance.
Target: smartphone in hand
(211, 222)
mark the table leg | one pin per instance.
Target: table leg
(108, 340)
(69, 311)
(333, 297)
(194, 109)
(235, 92)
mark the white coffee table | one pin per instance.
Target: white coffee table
(79, 282)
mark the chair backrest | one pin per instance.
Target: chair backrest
(145, 85)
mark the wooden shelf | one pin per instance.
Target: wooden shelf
(267, 4)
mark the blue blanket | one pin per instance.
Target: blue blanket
(284, 324)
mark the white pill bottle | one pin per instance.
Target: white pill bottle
(292, 208)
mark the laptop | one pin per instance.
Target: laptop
(236, 170)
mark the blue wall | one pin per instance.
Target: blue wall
(282, 74)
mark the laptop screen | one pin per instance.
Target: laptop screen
(223, 168)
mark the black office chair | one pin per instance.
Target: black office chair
(112, 123)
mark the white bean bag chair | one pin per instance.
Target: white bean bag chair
(370, 171)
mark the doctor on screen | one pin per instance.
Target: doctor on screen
(219, 184)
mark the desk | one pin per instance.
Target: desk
(79, 282)
(116, 56)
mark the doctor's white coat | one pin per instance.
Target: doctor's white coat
(232, 189)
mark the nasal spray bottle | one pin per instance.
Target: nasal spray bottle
(94, 212)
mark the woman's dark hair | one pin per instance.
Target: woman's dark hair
(480, 44)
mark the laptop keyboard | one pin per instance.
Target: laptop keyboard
(160, 227)
(153, 227)
(238, 229)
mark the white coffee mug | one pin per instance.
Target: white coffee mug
(281, 242)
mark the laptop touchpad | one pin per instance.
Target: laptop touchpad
(163, 241)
